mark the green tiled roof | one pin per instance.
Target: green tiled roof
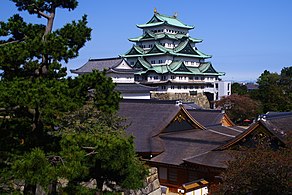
(135, 50)
(142, 63)
(159, 19)
(178, 67)
(149, 36)
(183, 49)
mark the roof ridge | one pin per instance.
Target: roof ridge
(101, 59)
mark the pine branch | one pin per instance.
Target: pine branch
(41, 13)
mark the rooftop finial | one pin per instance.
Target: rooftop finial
(175, 15)
(155, 10)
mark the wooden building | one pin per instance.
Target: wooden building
(173, 139)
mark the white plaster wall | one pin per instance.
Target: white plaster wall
(121, 78)
(188, 59)
(165, 59)
(224, 88)
(167, 29)
(135, 96)
(123, 65)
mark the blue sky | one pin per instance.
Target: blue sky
(245, 37)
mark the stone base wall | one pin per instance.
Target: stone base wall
(199, 99)
(152, 185)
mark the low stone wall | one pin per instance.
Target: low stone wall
(199, 99)
(152, 185)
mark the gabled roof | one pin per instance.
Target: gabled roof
(98, 64)
(276, 126)
(141, 63)
(157, 49)
(179, 67)
(147, 119)
(210, 117)
(159, 19)
(135, 51)
(181, 146)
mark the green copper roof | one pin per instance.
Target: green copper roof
(159, 19)
(183, 49)
(149, 36)
(142, 63)
(135, 50)
(178, 67)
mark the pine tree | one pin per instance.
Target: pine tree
(35, 96)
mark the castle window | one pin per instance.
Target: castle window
(179, 87)
(163, 87)
(160, 61)
(155, 77)
(185, 87)
(172, 87)
(152, 61)
(172, 77)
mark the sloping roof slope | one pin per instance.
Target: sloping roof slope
(133, 88)
(159, 19)
(98, 64)
(146, 120)
(188, 144)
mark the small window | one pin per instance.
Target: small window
(155, 77)
(185, 87)
(179, 87)
(163, 78)
(172, 77)
(160, 61)
(172, 87)
(191, 78)
(163, 87)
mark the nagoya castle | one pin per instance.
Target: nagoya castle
(164, 60)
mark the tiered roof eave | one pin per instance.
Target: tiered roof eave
(163, 51)
(149, 36)
(159, 20)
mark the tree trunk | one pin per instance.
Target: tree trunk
(50, 21)
(53, 188)
(29, 189)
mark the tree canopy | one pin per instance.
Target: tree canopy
(275, 90)
(36, 97)
(239, 107)
(258, 170)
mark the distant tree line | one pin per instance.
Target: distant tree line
(274, 93)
